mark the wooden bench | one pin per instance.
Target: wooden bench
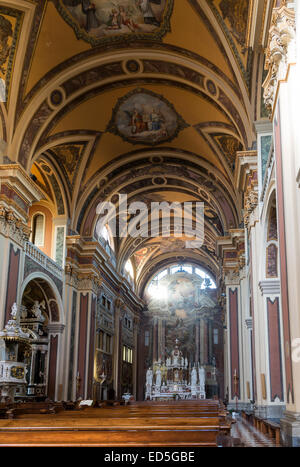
(117, 426)
(16, 409)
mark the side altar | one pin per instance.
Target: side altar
(175, 379)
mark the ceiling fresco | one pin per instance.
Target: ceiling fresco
(103, 21)
(149, 98)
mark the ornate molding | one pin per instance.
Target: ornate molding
(89, 282)
(279, 52)
(56, 328)
(13, 227)
(251, 201)
(249, 324)
(246, 182)
(270, 287)
(232, 251)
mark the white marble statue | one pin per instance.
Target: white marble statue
(14, 311)
(149, 377)
(202, 378)
(37, 311)
(158, 378)
(194, 377)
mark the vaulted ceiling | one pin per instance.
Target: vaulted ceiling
(71, 76)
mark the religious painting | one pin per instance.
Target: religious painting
(177, 303)
(143, 117)
(101, 21)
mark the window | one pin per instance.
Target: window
(157, 290)
(127, 354)
(129, 268)
(105, 234)
(216, 336)
(104, 342)
(38, 229)
(127, 323)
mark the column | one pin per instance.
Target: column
(232, 251)
(284, 101)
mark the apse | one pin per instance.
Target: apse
(183, 316)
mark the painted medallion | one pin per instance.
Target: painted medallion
(143, 117)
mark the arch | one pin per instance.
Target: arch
(228, 102)
(53, 287)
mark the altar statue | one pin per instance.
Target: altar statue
(202, 378)
(37, 312)
(158, 377)
(14, 311)
(194, 377)
(149, 377)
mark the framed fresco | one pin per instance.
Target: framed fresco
(144, 117)
(105, 21)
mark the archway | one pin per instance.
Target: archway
(40, 308)
(183, 333)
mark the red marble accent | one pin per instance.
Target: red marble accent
(91, 350)
(283, 261)
(84, 301)
(12, 280)
(274, 349)
(234, 341)
(52, 367)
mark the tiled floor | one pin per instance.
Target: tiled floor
(250, 436)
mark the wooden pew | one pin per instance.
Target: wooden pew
(166, 425)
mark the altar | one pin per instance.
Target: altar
(174, 379)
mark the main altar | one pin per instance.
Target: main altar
(175, 379)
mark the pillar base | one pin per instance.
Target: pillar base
(290, 429)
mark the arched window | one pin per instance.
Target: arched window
(272, 245)
(155, 289)
(129, 269)
(38, 229)
(105, 234)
